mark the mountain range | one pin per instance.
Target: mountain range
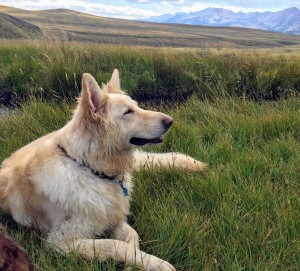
(286, 21)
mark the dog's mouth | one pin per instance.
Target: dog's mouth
(143, 141)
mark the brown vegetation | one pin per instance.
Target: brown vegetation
(15, 28)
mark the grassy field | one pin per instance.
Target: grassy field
(68, 25)
(242, 214)
(242, 118)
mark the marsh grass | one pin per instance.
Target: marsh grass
(241, 214)
(53, 71)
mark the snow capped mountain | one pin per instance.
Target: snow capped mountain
(287, 20)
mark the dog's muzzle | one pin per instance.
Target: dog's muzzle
(166, 122)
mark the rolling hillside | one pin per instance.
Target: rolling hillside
(12, 27)
(75, 26)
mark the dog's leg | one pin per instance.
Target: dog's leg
(172, 159)
(117, 250)
(126, 233)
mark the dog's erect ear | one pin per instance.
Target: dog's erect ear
(114, 86)
(115, 79)
(92, 97)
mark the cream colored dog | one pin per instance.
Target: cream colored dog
(75, 183)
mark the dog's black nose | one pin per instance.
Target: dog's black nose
(167, 121)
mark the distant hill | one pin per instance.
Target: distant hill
(15, 28)
(287, 20)
(69, 25)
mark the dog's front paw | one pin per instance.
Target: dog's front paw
(156, 264)
(189, 163)
(195, 165)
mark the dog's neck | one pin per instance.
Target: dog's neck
(96, 151)
(99, 174)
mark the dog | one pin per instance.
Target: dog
(74, 184)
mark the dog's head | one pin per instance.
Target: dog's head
(121, 120)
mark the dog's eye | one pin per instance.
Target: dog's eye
(129, 111)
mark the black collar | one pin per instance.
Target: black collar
(97, 173)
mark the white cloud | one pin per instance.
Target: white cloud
(156, 1)
(110, 10)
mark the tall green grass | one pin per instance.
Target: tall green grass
(241, 214)
(54, 71)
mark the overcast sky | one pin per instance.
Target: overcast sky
(139, 9)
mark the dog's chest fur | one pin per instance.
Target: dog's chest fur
(77, 193)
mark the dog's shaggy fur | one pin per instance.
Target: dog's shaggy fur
(73, 183)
